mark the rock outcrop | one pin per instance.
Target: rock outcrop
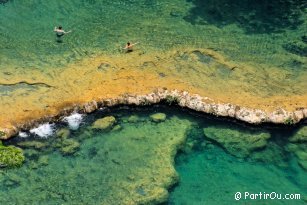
(158, 117)
(183, 99)
(105, 123)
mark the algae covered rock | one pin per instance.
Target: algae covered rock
(158, 117)
(43, 160)
(238, 143)
(117, 128)
(63, 133)
(300, 135)
(104, 123)
(133, 119)
(69, 146)
(303, 164)
(300, 151)
(11, 156)
(32, 144)
(31, 153)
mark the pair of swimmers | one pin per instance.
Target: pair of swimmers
(60, 33)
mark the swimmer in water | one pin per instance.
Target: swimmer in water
(60, 33)
(129, 47)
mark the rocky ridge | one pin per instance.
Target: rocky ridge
(183, 99)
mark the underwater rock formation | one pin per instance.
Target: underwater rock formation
(63, 133)
(299, 136)
(298, 146)
(238, 143)
(11, 156)
(104, 123)
(32, 144)
(300, 151)
(69, 146)
(158, 117)
(134, 165)
(133, 119)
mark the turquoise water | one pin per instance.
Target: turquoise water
(267, 33)
(212, 176)
(132, 163)
(135, 162)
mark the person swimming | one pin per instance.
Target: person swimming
(129, 47)
(59, 33)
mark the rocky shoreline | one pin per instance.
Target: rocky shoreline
(183, 99)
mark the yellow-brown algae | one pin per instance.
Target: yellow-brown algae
(196, 71)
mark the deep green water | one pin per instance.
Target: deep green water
(107, 167)
(267, 33)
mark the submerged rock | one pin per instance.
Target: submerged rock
(31, 153)
(69, 146)
(238, 143)
(11, 156)
(116, 128)
(32, 144)
(104, 123)
(158, 117)
(300, 151)
(133, 119)
(63, 133)
(43, 160)
(12, 180)
(272, 154)
(300, 135)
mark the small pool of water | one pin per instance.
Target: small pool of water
(186, 158)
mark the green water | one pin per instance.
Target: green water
(134, 163)
(262, 33)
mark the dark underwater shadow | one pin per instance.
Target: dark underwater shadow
(261, 16)
(3, 1)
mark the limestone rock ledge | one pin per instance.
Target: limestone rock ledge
(183, 99)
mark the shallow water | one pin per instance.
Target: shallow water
(133, 163)
(244, 33)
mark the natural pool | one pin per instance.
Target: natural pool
(265, 34)
(199, 159)
(129, 159)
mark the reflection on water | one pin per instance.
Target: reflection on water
(125, 156)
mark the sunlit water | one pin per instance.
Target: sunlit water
(267, 33)
(131, 161)
(115, 166)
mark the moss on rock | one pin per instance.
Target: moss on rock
(238, 143)
(69, 146)
(32, 144)
(158, 117)
(300, 135)
(105, 123)
(43, 160)
(300, 151)
(11, 156)
(63, 133)
(117, 128)
(133, 119)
